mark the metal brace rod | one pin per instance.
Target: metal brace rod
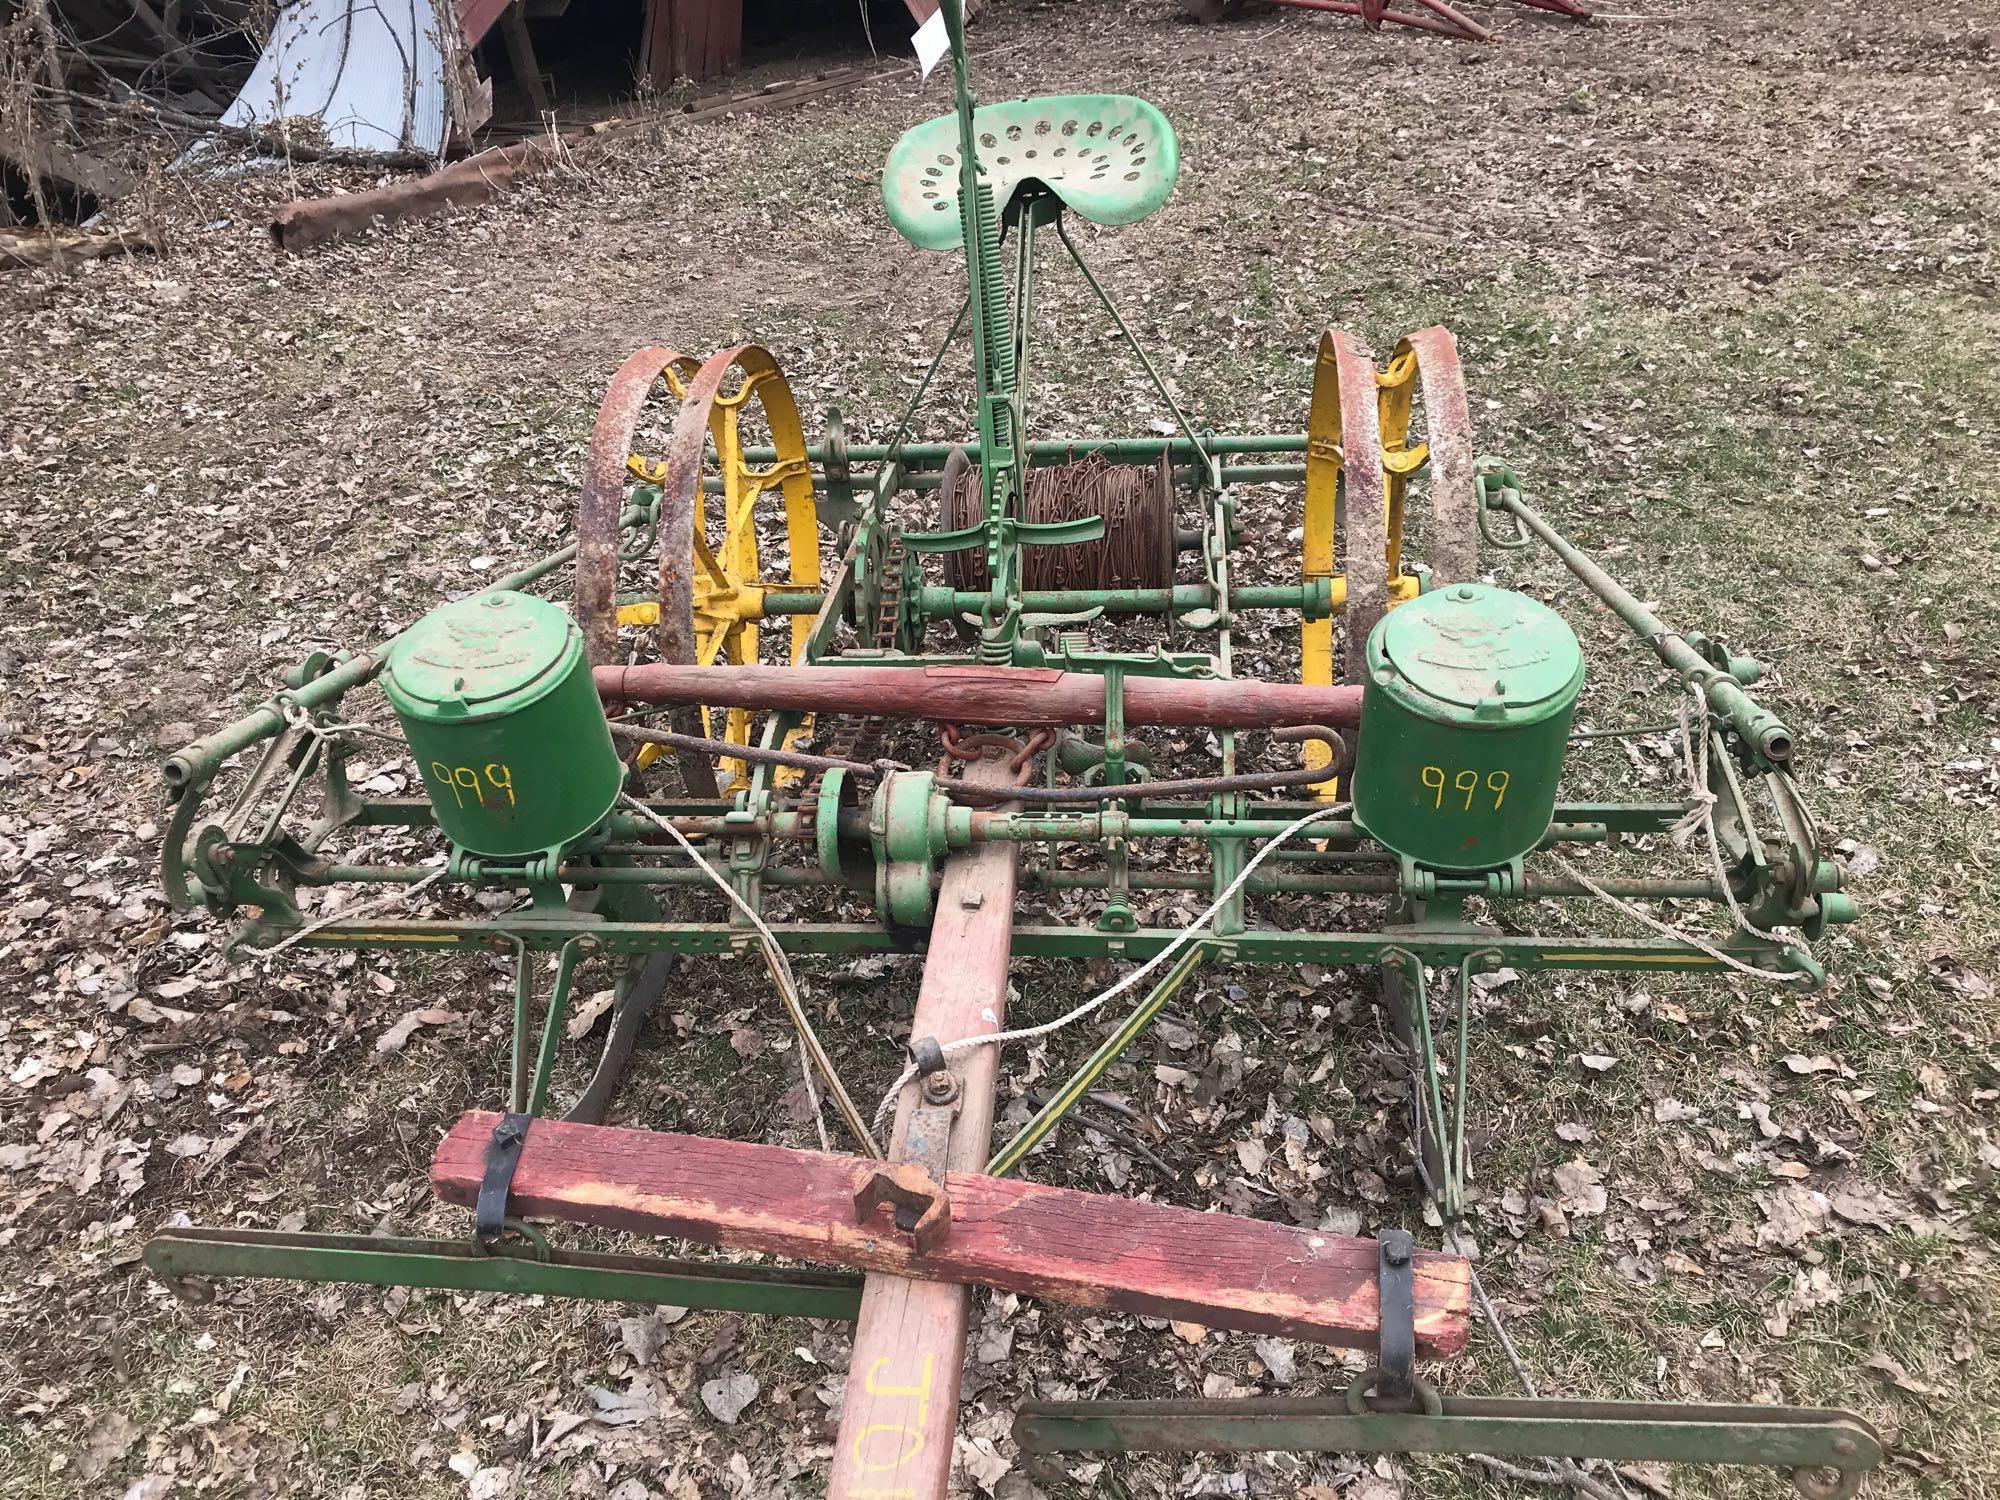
(461, 1266)
(1827, 1450)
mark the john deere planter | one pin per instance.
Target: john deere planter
(860, 695)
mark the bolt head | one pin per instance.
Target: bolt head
(939, 1088)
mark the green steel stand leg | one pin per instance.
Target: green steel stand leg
(528, 1095)
(1826, 1451)
(1440, 1131)
(531, 1268)
(1065, 1099)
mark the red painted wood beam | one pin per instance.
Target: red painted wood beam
(1086, 1249)
(1026, 697)
(476, 18)
(899, 1417)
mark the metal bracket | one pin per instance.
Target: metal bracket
(922, 1206)
(503, 1155)
(1396, 1280)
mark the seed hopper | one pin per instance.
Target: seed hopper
(897, 735)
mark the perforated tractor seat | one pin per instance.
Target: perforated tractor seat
(1110, 157)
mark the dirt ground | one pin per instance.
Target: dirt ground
(1724, 282)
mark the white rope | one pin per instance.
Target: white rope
(379, 903)
(1666, 929)
(1700, 815)
(1194, 931)
(810, 1050)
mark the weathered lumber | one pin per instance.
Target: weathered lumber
(1086, 1249)
(521, 57)
(900, 1413)
(21, 248)
(313, 220)
(1027, 697)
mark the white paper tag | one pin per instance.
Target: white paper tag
(931, 42)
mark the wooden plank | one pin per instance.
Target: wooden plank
(1022, 696)
(900, 1413)
(1086, 1249)
(311, 220)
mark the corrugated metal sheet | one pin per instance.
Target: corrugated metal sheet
(371, 71)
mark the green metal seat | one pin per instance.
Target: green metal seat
(1110, 157)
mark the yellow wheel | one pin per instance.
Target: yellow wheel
(713, 591)
(1359, 410)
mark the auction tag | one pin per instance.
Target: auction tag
(931, 42)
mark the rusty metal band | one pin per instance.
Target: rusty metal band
(603, 501)
(1454, 500)
(1344, 394)
(680, 485)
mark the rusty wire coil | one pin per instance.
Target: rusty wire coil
(1136, 502)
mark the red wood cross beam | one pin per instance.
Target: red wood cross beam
(1087, 1249)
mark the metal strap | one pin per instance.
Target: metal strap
(503, 1154)
(1448, 430)
(1397, 1281)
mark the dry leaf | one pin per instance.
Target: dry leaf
(1579, 1188)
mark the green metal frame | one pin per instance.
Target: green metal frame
(1826, 1451)
(186, 1259)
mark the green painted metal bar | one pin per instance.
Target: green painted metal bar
(923, 480)
(1574, 821)
(1078, 1084)
(1525, 951)
(552, 1025)
(1312, 600)
(458, 1266)
(1763, 731)
(1785, 1437)
(1058, 450)
(1262, 473)
(192, 762)
(1650, 888)
(1537, 887)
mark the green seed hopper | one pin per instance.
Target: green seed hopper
(936, 679)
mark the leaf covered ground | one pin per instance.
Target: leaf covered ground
(1724, 284)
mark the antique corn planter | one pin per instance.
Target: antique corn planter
(651, 779)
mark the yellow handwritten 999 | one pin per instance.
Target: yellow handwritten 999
(464, 779)
(1466, 783)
